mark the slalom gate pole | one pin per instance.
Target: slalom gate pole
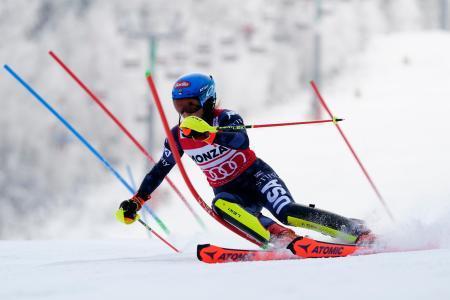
(177, 157)
(125, 131)
(84, 141)
(325, 106)
(334, 120)
(131, 177)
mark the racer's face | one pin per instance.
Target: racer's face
(188, 107)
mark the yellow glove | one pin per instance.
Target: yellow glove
(120, 216)
(198, 128)
(127, 212)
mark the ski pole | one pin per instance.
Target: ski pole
(81, 138)
(177, 157)
(158, 236)
(325, 106)
(125, 131)
(240, 127)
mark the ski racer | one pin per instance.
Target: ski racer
(242, 183)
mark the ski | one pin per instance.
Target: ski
(302, 247)
(309, 248)
(214, 254)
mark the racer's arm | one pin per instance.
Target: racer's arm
(127, 212)
(233, 139)
(160, 170)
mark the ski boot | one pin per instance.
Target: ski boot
(366, 238)
(280, 236)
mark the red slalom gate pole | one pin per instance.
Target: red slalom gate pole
(124, 130)
(176, 154)
(325, 106)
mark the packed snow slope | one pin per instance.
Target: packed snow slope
(394, 98)
(135, 270)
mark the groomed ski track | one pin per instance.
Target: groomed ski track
(124, 270)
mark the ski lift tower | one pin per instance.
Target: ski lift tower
(317, 65)
(141, 26)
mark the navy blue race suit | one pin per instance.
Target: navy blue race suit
(254, 187)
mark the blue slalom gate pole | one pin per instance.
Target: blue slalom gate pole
(130, 176)
(84, 141)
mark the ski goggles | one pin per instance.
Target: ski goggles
(189, 105)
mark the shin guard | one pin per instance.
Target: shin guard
(236, 215)
(322, 221)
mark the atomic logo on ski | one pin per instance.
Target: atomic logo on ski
(305, 247)
(210, 254)
(235, 256)
(309, 248)
(328, 250)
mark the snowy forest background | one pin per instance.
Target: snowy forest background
(260, 52)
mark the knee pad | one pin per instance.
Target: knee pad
(225, 196)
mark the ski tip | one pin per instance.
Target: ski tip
(291, 244)
(200, 247)
(148, 73)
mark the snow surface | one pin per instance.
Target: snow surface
(395, 102)
(135, 270)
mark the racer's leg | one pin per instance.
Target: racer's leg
(243, 215)
(278, 200)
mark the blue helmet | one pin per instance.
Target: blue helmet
(194, 85)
